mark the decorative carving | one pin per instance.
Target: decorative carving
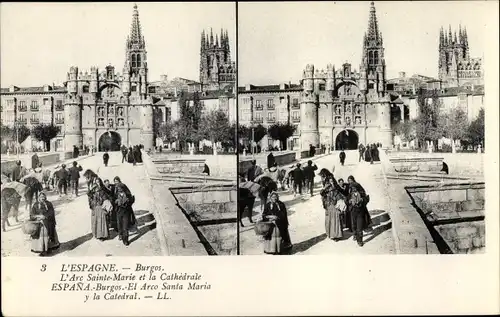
(348, 121)
(121, 122)
(357, 109)
(338, 109)
(110, 123)
(338, 120)
(348, 108)
(111, 91)
(357, 120)
(120, 111)
(100, 122)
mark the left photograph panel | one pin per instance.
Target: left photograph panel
(118, 125)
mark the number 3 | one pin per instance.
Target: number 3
(44, 268)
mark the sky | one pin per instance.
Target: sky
(277, 40)
(39, 42)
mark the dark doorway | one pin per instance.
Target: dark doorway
(110, 141)
(347, 140)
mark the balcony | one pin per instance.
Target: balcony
(59, 120)
(34, 121)
(271, 119)
(258, 120)
(34, 108)
(59, 107)
(270, 107)
(23, 109)
(259, 107)
(295, 105)
(296, 119)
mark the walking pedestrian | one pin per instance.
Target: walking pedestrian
(309, 176)
(124, 151)
(342, 157)
(333, 202)
(62, 180)
(298, 179)
(105, 158)
(74, 173)
(123, 213)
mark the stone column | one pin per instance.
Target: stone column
(402, 108)
(384, 119)
(72, 123)
(309, 133)
(147, 126)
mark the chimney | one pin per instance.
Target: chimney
(283, 86)
(248, 87)
(402, 74)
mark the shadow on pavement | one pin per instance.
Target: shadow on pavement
(142, 231)
(72, 244)
(377, 231)
(304, 245)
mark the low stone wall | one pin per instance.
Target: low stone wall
(46, 159)
(455, 212)
(176, 166)
(283, 158)
(212, 211)
(416, 164)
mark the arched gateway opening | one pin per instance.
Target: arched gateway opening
(110, 141)
(347, 140)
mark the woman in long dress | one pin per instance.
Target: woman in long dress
(45, 239)
(332, 201)
(132, 223)
(99, 218)
(278, 240)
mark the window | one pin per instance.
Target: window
(59, 118)
(85, 89)
(134, 61)
(138, 60)
(133, 88)
(59, 105)
(270, 104)
(296, 116)
(34, 105)
(34, 119)
(22, 106)
(271, 116)
(322, 87)
(22, 118)
(45, 101)
(152, 90)
(375, 57)
(258, 117)
(295, 103)
(258, 104)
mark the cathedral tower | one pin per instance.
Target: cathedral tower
(216, 68)
(372, 69)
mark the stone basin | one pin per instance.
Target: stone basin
(212, 211)
(417, 164)
(454, 214)
(179, 165)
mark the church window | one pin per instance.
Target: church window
(375, 57)
(138, 60)
(370, 57)
(133, 88)
(134, 60)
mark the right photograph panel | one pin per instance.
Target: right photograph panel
(361, 128)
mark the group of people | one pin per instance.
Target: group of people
(345, 207)
(369, 153)
(131, 154)
(111, 207)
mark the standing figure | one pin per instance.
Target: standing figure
(342, 157)
(99, 220)
(124, 151)
(312, 150)
(35, 161)
(309, 175)
(368, 156)
(62, 180)
(105, 158)
(333, 202)
(112, 214)
(74, 173)
(278, 240)
(16, 172)
(132, 224)
(298, 179)
(131, 156)
(45, 239)
(10, 200)
(355, 203)
(361, 150)
(122, 213)
(254, 171)
(271, 161)
(246, 199)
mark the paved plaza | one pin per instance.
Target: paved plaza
(73, 217)
(307, 216)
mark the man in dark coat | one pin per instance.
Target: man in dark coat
(298, 179)
(254, 171)
(342, 157)
(62, 180)
(35, 161)
(312, 150)
(124, 151)
(361, 150)
(74, 174)
(105, 158)
(270, 160)
(309, 175)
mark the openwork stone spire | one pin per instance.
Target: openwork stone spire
(373, 33)
(135, 28)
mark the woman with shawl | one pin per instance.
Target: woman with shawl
(100, 205)
(45, 238)
(132, 224)
(278, 239)
(334, 204)
(122, 204)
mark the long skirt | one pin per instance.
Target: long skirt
(42, 242)
(99, 223)
(333, 225)
(277, 241)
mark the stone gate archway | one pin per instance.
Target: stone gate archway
(110, 141)
(347, 140)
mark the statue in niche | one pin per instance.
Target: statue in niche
(357, 109)
(110, 123)
(348, 120)
(100, 122)
(111, 110)
(337, 109)
(357, 120)
(348, 108)
(121, 122)
(100, 112)
(347, 90)
(337, 120)
(111, 91)
(120, 111)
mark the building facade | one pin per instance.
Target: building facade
(456, 67)
(106, 109)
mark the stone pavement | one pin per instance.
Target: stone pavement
(307, 216)
(73, 217)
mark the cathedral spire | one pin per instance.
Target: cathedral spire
(202, 44)
(441, 37)
(450, 36)
(373, 33)
(135, 28)
(211, 38)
